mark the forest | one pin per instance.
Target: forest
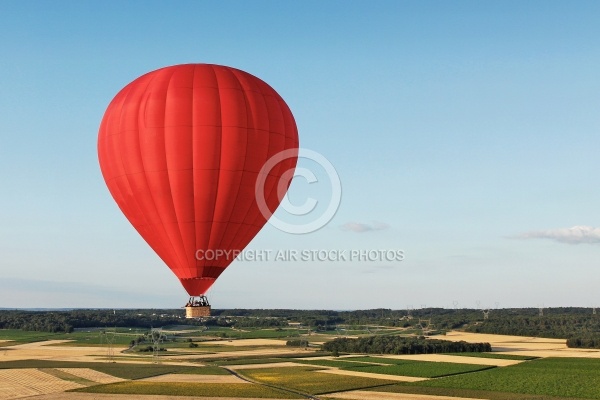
(581, 326)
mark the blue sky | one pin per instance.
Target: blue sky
(464, 133)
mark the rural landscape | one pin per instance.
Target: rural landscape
(241, 200)
(430, 353)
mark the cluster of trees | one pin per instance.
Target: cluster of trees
(137, 341)
(401, 345)
(149, 349)
(297, 343)
(584, 342)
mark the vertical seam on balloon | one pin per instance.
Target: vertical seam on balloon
(171, 200)
(206, 268)
(260, 216)
(248, 225)
(220, 156)
(235, 202)
(195, 230)
(219, 267)
(238, 240)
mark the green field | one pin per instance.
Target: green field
(377, 360)
(466, 393)
(561, 377)
(92, 337)
(190, 389)
(421, 369)
(263, 333)
(122, 336)
(308, 380)
(230, 333)
(19, 336)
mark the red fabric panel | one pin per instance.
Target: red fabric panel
(180, 149)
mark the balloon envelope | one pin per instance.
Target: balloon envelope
(181, 149)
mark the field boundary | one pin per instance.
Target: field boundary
(249, 380)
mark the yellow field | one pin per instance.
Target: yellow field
(91, 375)
(398, 378)
(497, 362)
(99, 396)
(525, 346)
(15, 383)
(46, 351)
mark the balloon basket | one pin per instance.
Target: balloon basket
(197, 312)
(197, 307)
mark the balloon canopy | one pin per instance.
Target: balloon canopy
(181, 150)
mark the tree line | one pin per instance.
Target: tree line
(580, 325)
(401, 345)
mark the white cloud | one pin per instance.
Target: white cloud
(574, 235)
(359, 227)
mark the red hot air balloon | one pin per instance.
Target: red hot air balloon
(181, 150)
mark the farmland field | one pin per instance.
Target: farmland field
(423, 369)
(308, 380)
(462, 393)
(191, 389)
(17, 336)
(563, 377)
(333, 363)
(119, 370)
(499, 356)
(377, 360)
(248, 361)
(72, 360)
